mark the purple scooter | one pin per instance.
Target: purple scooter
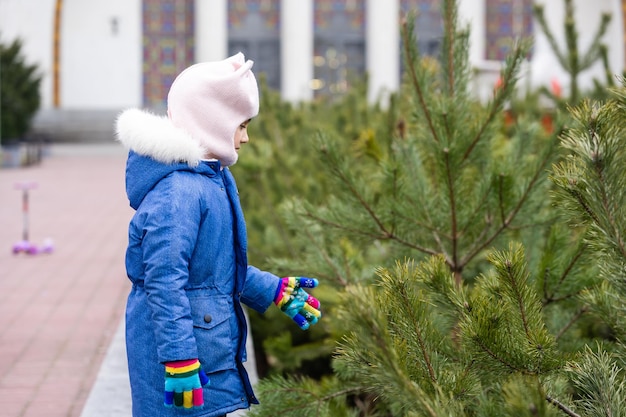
(25, 245)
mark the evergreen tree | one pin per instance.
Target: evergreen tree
(477, 325)
(571, 58)
(19, 92)
(448, 181)
(279, 164)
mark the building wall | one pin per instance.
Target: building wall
(101, 55)
(100, 49)
(101, 61)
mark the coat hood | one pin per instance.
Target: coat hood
(209, 100)
(156, 149)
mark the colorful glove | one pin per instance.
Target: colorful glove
(183, 384)
(296, 303)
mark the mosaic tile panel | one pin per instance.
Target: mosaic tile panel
(426, 8)
(428, 23)
(168, 46)
(268, 11)
(350, 11)
(505, 21)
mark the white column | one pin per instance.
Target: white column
(382, 53)
(615, 38)
(211, 22)
(472, 13)
(296, 50)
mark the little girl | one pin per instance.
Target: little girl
(186, 257)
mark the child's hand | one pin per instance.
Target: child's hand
(183, 384)
(296, 303)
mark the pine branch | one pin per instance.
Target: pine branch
(508, 76)
(519, 298)
(292, 396)
(561, 406)
(539, 13)
(501, 199)
(360, 199)
(599, 383)
(478, 212)
(338, 276)
(306, 403)
(435, 232)
(571, 40)
(385, 235)
(478, 246)
(595, 49)
(270, 206)
(449, 15)
(582, 202)
(411, 58)
(340, 226)
(453, 217)
(614, 230)
(418, 332)
(479, 342)
(573, 320)
(550, 298)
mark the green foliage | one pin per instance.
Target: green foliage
(19, 92)
(448, 182)
(305, 397)
(590, 187)
(505, 277)
(599, 383)
(281, 162)
(422, 343)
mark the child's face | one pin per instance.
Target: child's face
(241, 135)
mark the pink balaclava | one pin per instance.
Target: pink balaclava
(210, 100)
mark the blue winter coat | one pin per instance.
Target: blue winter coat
(187, 262)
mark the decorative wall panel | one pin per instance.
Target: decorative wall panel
(168, 46)
(505, 21)
(428, 23)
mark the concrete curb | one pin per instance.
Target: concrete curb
(110, 394)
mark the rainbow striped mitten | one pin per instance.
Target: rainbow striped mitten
(296, 303)
(183, 384)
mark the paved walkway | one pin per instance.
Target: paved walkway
(61, 331)
(60, 311)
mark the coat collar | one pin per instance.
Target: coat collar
(156, 137)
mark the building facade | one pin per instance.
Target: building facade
(112, 54)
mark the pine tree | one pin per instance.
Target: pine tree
(19, 92)
(496, 292)
(278, 164)
(571, 58)
(449, 180)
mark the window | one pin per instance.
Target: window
(254, 29)
(339, 45)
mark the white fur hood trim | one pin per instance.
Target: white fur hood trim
(156, 137)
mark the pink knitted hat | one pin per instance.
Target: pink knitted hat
(210, 100)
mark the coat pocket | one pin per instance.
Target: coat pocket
(211, 321)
